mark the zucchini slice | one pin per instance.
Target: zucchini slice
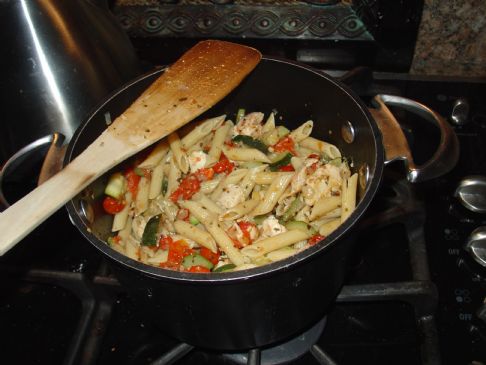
(196, 260)
(300, 226)
(284, 161)
(116, 186)
(225, 268)
(149, 236)
(251, 142)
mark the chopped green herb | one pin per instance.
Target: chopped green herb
(165, 184)
(193, 220)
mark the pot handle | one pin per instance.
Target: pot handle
(396, 146)
(54, 157)
(48, 169)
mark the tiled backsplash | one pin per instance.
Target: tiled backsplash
(452, 39)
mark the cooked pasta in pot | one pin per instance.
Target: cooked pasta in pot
(230, 196)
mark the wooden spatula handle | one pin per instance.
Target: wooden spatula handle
(197, 81)
(30, 211)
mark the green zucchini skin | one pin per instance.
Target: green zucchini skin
(196, 260)
(284, 161)
(251, 142)
(225, 268)
(149, 237)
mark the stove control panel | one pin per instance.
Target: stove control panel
(471, 193)
(476, 245)
(456, 233)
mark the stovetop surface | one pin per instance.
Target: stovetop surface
(60, 305)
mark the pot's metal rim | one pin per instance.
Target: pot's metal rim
(306, 255)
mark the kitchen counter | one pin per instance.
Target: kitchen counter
(452, 39)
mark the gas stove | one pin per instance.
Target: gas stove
(414, 294)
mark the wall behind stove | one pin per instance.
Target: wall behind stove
(452, 39)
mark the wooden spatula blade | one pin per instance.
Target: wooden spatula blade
(198, 80)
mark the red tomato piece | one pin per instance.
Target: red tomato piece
(210, 255)
(112, 205)
(189, 186)
(246, 230)
(165, 242)
(198, 268)
(183, 214)
(313, 155)
(170, 265)
(237, 243)
(315, 239)
(285, 144)
(223, 165)
(205, 174)
(288, 167)
(132, 182)
(177, 251)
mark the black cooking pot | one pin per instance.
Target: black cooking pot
(264, 305)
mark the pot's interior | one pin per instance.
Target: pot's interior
(295, 92)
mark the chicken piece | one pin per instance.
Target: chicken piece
(231, 196)
(271, 227)
(250, 125)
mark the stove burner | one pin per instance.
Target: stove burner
(285, 352)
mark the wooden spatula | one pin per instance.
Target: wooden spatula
(192, 85)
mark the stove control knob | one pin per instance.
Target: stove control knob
(476, 245)
(460, 112)
(471, 192)
(481, 313)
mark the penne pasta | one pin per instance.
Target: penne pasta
(208, 203)
(349, 196)
(225, 243)
(233, 178)
(172, 179)
(217, 143)
(156, 181)
(325, 205)
(302, 132)
(208, 186)
(245, 154)
(327, 228)
(240, 210)
(156, 155)
(317, 145)
(180, 156)
(197, 209)
(142, 199)
(217, 200)
(249, 181)
(275, 190)
(203, 238)
(266, 177)
(201, 131)
(270, 244)
(269, 124)
(126, 231)
(120, 219)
